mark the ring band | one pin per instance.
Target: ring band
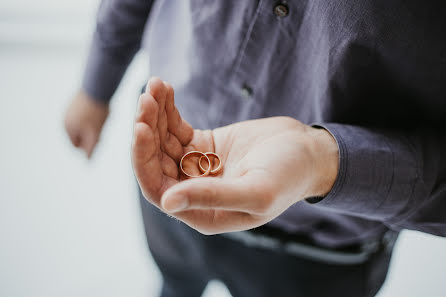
(190, 154)
(213, 171)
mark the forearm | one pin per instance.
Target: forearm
(392, 176)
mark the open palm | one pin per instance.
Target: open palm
(268, 165)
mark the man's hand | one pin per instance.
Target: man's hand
(84, 120)
(269, 164)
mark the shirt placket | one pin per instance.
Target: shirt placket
(259, 51)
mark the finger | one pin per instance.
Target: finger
(173, 147)
(176, 124)
(88, 142)
(238, 194)
(157, 89)
(147, 111)
(162, 127)
(145, 161)
(169, 166)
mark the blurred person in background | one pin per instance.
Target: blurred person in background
(309, 203)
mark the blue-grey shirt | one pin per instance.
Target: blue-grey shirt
(372, 72)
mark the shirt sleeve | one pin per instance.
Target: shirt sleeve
(398, 178)
(117, 37)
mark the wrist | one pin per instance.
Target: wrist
(98, 103)
(325, 159)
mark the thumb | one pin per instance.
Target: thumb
(236, 194)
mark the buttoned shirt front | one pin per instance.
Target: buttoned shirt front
(373, 73)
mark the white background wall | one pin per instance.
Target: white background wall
(69, 227)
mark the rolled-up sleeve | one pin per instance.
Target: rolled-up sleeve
(117, 37)
(394, 177)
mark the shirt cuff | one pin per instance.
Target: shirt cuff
(375, 174)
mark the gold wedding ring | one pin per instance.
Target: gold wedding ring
(191, 154)
(213, 171)
(205, 172)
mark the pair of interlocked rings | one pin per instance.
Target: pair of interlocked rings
(205, 172)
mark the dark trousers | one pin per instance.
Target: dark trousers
(188, 260)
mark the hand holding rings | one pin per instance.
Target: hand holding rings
(203, 156)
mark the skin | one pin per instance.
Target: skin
(269, 164)
(84, 120)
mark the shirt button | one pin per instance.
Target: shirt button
(281, 10)
(246, 92)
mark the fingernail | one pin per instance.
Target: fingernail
(148, 84)
(176, 203)
(151, 80)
